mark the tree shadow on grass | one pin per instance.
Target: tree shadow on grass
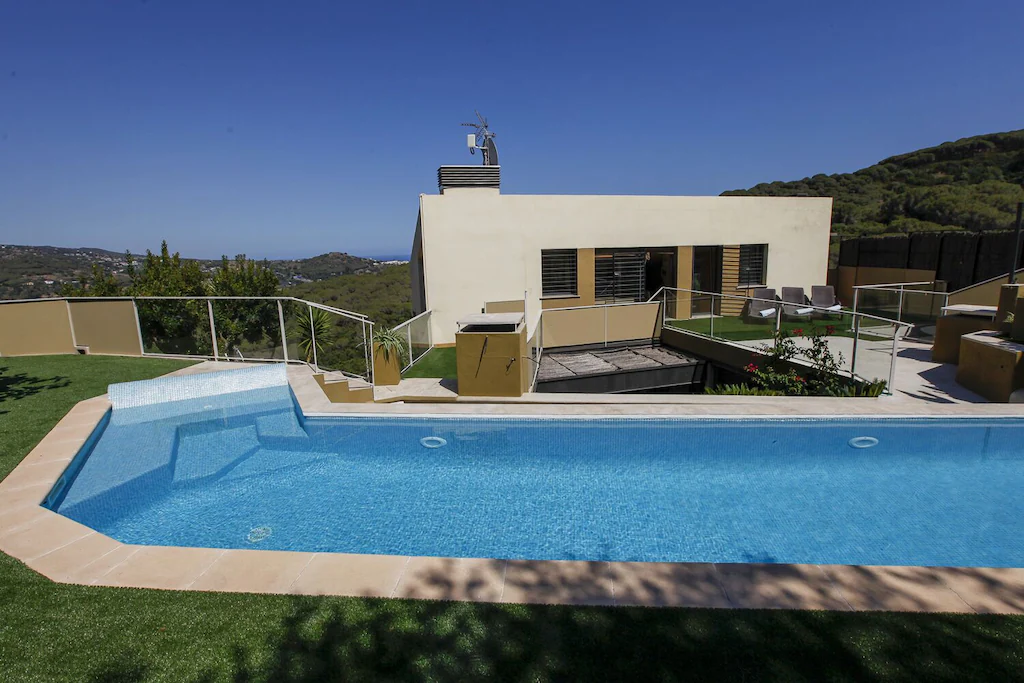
(21, 385)
(326, 639)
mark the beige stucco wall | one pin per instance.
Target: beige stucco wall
(479, 245)
(983, 293)
(106, 327)
(35, 328)
(598, 324)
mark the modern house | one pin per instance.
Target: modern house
(477, 249)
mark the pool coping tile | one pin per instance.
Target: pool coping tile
(66, 551)
(164, 567)
(350, 574)
(559, 582)
(452, 578)
(253, 571)
(895, 589)
(780, 586)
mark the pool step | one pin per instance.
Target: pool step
(205, 455)
(281, 431)
(268, 460)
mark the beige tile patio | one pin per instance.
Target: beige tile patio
(14, 516)
(779, 586)
(915, 589)
(253, 571)
(987, 590)
(350, 574)
(452, 578)
(667, 584)
(41, 534)
(94, 571)
(68, 560)
(161, 567)
(12, 495)
(558, 582)
(27, 474)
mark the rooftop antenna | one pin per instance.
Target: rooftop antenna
(482, 140)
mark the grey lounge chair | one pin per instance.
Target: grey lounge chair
(824, 296)
(793, 300)
(752, 313)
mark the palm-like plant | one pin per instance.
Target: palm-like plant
(389, 344)
(315, 330)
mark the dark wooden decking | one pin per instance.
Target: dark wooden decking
(618, 369)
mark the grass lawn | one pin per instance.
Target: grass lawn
(439, 362)
(735, 328)
(53, 632)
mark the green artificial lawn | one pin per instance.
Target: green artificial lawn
(54, 632)
(737, 329)
(438, 362)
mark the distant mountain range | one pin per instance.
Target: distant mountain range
(29, 272)
(971, 184)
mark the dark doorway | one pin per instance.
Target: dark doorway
(707, 277)
(660, 271)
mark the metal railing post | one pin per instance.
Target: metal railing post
(899, 306)
(856, 341)
(138, 326)
(408, 330)
(856, 296)
(711, 325)
(312, 338)
(284, 338)
(213, 328)
(778, 319)
(892, 360)
(369, 343)
(606, 325)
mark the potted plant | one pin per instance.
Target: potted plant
(388, 352)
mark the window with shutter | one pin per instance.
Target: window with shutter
(558, 272)
(753, 260)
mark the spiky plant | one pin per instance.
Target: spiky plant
(389, 344)
(318, 326)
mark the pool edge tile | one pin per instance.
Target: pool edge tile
(780, 586)
(350, 574)
(558, 582)
(252, 571)
(897, 589)
(452, 578)
(163, 567)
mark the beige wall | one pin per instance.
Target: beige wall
(35, 328)
(982, 294)
(505, 306)
(492, 363)
(479, 245)
(597, 324)
(106, 327)
(585, 284)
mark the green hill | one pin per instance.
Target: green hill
(971, 184)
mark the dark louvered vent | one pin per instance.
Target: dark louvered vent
(468, 176)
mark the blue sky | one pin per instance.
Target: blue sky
(286, 129)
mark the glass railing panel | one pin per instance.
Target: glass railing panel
(248, 329)
(175, 327)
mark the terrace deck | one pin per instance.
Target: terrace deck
(617, 370)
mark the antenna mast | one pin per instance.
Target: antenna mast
(484, 140)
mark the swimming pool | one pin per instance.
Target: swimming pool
(246, 470)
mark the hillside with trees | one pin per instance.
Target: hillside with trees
(972, 184)
(32, 272)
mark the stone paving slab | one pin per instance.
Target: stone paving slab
(66, 551)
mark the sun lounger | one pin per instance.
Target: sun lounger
(761, 311)
(794, 304)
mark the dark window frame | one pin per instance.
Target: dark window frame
(753, 261)
(559, 274)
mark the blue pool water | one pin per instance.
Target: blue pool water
(244, 470)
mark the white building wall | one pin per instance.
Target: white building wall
(479, 245)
